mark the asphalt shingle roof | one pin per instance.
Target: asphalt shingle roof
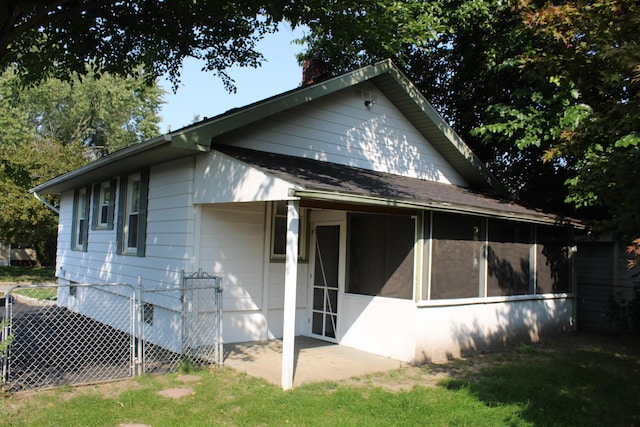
(323, 176)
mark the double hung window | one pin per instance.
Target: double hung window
(80, 220)
(104, 195)
(279, 231)
(132, 214)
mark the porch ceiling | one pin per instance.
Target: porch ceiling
(330, 182)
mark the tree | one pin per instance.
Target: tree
(55, 127)
(592, 49)
(46, 38)
(24, 221)
(546, 94)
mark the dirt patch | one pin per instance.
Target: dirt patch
(188, 378)
(107, 389)
(176, 393)
(427, 375)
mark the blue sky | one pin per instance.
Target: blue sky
(203, 94)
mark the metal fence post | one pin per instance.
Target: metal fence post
(6, 333)
(220, 357)
(138, 325)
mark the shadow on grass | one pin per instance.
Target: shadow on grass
(584, 381)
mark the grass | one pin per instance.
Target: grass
(15, 274)
(43, 294)
(572, 382)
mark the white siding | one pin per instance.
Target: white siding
(169, 239)
(381, 326)
(340, 129)
(221, 179)
(442, 333)
(401, 330)
(231, 245)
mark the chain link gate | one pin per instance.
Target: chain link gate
(75, 334)
(196, 306)
(56, 335)
(202, 317)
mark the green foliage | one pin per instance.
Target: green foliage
(624, 312)
(18, 274)
(38, 293)
(55, 127)
(594, 47)
(6, 341)
(349, 34)
(545, 93)
(58, 39)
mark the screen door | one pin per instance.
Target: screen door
(326, 269)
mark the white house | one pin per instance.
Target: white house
(345, 210)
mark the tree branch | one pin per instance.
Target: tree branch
(10, 30)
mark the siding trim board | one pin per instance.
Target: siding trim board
(491, 300)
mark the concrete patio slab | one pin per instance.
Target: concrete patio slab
(314, 360)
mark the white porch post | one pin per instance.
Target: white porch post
(290, 284)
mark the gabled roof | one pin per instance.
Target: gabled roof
(324, 181)
(197, 137)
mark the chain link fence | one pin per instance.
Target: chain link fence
(76, 334)
(192, 312)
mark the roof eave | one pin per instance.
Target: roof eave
(198, 137)
(330, 196)
(204, 132)
(125, 160)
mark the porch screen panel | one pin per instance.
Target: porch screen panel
(380, 255)
(456, 256)
(553, 260)
(508, 256)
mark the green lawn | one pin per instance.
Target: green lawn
(39, 293)
(577, 381)
(27, 275)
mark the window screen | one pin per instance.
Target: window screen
(508, 263)
(553, 258)
(380, 255)
(456, 256)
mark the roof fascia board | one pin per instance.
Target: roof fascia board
(103, 162)
(435, 206)
(203, 133)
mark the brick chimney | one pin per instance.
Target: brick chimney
(315, 70)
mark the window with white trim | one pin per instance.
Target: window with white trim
(279, 231)
(104, 205)
(80, 229)
(132, 213)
